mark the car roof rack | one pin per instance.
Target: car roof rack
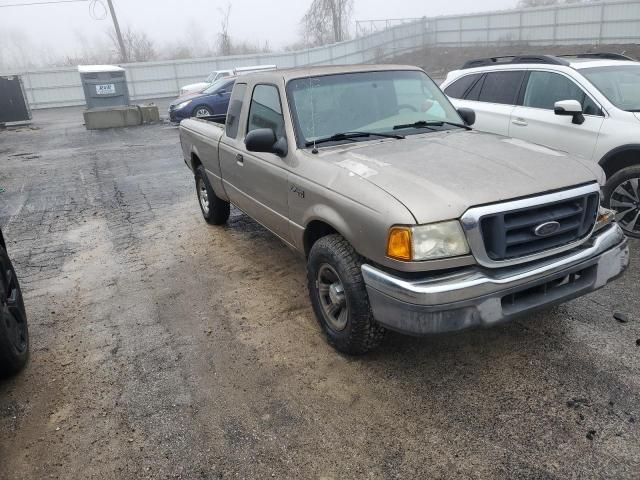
(515, 59)
(600, 55)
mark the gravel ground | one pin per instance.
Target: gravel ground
(165, 348)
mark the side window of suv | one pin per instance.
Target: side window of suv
(500, 87)
(233, 112)
(544, 89)
(266, 110)
(460, 87)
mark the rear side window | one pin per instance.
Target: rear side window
(233, 112)
(501, 87)
(266, 110)
(544, 89)
(460, 87)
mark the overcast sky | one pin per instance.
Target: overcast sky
(57, 28)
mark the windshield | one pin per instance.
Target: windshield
(211, 77)
(620, 84)
(224, 84)
(368, 101)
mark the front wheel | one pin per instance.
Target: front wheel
(14, 334)
(202, 111)
(339, 296)
(622, 194)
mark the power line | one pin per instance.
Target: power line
(50, 2)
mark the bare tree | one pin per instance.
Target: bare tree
(225, 46)
(327, 21)
(138, 46)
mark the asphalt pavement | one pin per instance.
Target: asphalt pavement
(166, 348)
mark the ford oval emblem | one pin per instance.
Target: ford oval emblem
(546, 229)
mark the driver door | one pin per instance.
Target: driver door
(257, 182)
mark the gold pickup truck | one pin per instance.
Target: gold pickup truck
(409, 219)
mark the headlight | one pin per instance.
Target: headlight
(427, 242)
(605, 217)
(183, 104)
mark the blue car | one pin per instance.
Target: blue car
(213, 100)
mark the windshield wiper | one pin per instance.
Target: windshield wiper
(634, 110)
(351, 135)
(430, 124)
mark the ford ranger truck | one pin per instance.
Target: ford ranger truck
(409, 219)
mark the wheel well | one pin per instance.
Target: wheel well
(618, 159)
(2, 244)
(314, 232)
(195, 162)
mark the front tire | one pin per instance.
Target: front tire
(622, 194)
(339, 296)
(214, 210)
(14, 333)
(201, 111)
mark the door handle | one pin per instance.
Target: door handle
(519, 121)
(240, 159)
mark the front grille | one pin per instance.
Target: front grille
(511, 234)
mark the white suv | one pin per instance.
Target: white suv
(587, 105)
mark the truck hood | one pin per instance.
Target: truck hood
(438, 176)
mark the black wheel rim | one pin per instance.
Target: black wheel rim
(625, 200)
(11, 312)
(333, 300)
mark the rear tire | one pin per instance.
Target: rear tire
(622, 194)
(339, 296)
(214, 210)
(14, 333)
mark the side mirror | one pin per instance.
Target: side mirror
(569, 108)
(468, 115)
(264, 140)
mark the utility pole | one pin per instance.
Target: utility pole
(123, 51)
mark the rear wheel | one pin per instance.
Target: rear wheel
(622, 194)
(202, 111)
(214, 210)
(339, 296)
(14, 333)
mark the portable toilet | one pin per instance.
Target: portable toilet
(104, 86)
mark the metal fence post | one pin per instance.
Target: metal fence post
(175, 75)
(520, 27)
(601, 23)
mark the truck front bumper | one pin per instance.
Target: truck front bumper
(474, 296)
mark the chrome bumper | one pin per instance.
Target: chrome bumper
(479, 296)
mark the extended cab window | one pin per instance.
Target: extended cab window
(233, 112)
(460, 87)
(266, 110)
(544, 89)
(501, 87)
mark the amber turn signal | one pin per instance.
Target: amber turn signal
(399, 243)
